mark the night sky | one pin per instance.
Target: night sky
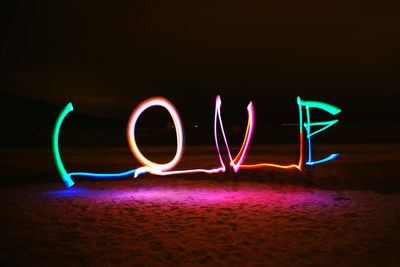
(107, 56)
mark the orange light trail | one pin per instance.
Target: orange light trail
(235, 163)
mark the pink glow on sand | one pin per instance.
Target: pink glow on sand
(198, 195)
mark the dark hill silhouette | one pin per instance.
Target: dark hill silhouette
(29, 122)
(20, 112)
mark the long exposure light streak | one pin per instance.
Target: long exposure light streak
(299, 165)
(150, 166)
(307, 125)
(157, 169)
(55, 147)
(67, 177)
(235, 163)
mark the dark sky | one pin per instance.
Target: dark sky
(106, 56)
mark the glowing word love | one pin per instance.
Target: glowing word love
(236, 163)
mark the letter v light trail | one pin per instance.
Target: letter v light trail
(166, 169)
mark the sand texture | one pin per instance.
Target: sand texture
(338, 215)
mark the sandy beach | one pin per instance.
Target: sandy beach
(257, 218)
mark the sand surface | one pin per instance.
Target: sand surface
(259, 218)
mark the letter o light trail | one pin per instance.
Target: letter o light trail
(149, 165)
(166, 169)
